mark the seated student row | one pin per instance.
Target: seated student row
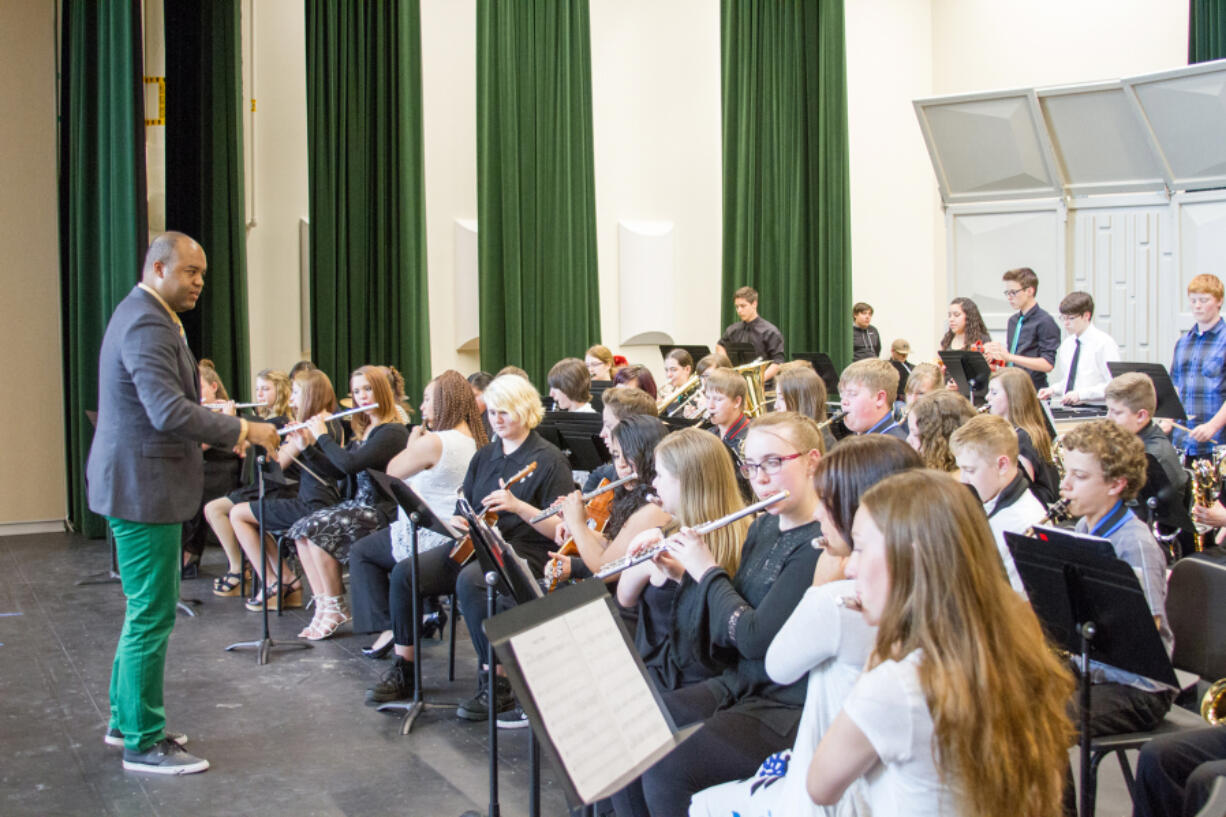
(683, 471)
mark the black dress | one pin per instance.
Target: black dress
(363, 511)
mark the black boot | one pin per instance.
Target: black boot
(395, 685)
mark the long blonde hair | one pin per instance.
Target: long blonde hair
(988, 675)
(281, 388)
(1024, 409)
(704, 468)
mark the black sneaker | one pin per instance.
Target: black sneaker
(513, 718)
(114, 737)
(477, 708)
(395, 685)
(163, 757)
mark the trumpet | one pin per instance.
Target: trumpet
(618, 565)
(1056, 511)
(556, 508)
(299, 426)
(678, 395)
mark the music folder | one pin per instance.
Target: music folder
(585, 690)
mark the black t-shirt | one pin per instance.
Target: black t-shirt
(551, 479)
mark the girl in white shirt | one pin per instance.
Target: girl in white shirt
(962, 709)
(822, 637)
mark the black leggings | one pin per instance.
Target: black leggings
(380, 589)
(729, 746)
(1176, 773)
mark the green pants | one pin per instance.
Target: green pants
(148, 558)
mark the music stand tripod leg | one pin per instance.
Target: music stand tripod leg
(1088, 768)
(264, 645)
(413, 708)
(111, 576)
(491, 581)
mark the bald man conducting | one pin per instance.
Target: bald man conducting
(146, 476)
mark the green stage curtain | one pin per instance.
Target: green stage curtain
(1206, 30)
(786, 197)
(103, 217)
(536, 199)
(367, 202)
(204, 175)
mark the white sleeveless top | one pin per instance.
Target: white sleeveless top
(437, 486)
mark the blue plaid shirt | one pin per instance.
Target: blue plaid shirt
(1199, 374)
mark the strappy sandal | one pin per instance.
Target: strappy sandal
(292, 598)
(227, 585)
(331, 615)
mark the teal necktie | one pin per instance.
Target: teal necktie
(1017, 334)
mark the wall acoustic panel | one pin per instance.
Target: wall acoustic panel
(1124, 257)
(467, 315)
(646, 263)
(986, 245)
(1100, 142)
(1185, 112)
(988, 146)
(1202, 248)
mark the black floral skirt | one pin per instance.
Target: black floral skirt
(335, 528)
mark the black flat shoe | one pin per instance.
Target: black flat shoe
(370, 651)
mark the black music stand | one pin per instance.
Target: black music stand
(1092, 605)
(420, 516)
(970, 370)
(507, 572)
(824, 366)
(621, 727)
(1169, 405)
(741, 353)
(697, 351)
(264, 645)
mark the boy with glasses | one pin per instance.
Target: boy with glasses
(1080, 374)
(1032, 336)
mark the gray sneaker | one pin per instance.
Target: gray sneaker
(163, 757)
(114, 737)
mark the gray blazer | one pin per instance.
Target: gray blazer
(145, 463)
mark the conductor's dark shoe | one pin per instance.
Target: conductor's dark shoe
(395, 685)
(115, 738)
(477, 708)
(163, 757)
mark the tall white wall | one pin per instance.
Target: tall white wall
(275, 155)
(656, 120)
(894, 203)
(32, 483)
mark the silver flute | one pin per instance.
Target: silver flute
(221, 405)
(299, 426)
(555, 509)
(618, 565)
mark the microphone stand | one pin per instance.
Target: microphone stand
(264, 645)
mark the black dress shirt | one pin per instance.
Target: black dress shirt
(1038, 337)
(551, 479)
(765, 337)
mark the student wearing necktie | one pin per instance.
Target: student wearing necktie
(1080, 374)
(1033, 336)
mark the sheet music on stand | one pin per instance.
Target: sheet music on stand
(573, 641)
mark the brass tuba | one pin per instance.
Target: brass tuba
(756, 405)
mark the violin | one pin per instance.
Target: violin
(598, 507)
(463, 550)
